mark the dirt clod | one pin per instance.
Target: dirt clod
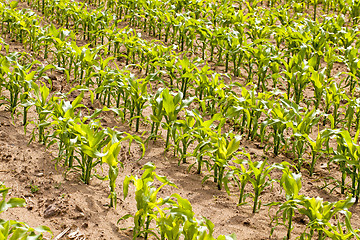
(51, 211)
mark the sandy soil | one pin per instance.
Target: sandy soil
(67, 204)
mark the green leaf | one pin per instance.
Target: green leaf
(127, 216)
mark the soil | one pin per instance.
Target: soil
(61, 203)
(64, 203)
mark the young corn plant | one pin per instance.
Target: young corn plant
(352, 114)
(147, 202)
(291, 183)
(139, 96)
(178, 220)
(278, 120)
(301, 127)
(186, 67)
(316, 147)
(202, 131)
(173, 105)
(347, 155)
(320, 213)
(297, 75)
(182, 133)
(241, 176)
(90, 139)
(44, 104)
(173, 215)
(111, 151)
(318, 80)
(64, 112)
(224, 147)
(333, 96)
(156, 103)
(13, 80)
(260, 180)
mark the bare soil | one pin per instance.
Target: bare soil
(65, 203)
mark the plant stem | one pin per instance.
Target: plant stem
(242, 188)
(256, 197)
(288, 235)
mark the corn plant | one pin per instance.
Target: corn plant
(333, 96)
(182, 134)
(173, 105)
(90, 139)
(43, 105)
(203, 130)
(224, 147)
(241, 176)
(15, 81)
(63, 114)
(278, 120)
(173, 215)
(337, 232)
(301, 127)
(4, 45)
(156, 103)
(352, 114)
(179, 219)
(347, 155)
(291, 183)
(352, 62)
(111, 151)
(318, 80)
(147, 202)
(297, 74)
(261, 179)
(139, 96)
(316, 149)
(187, 67)
(320, 213)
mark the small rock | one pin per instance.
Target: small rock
(85, 225)
(246, 222)
(78, 216)
(77, 208)
(40, 174)
(23, 178)
(51, 211)
(2, 134)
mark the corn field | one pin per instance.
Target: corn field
(203, 79)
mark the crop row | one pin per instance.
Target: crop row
(244, 111)
(216, 150)
(293, 63)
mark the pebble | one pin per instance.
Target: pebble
(247, 221)
(2, 134)
(40, 174)
(77, 208)
(51, 211)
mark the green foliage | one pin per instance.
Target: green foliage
(173, 215)
(278, 45)
(146, 199)
(319, 212)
